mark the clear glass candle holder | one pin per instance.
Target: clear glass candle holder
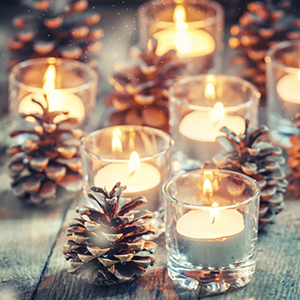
(139, 157)
(194, 28)
(283, 87)
(68, 85)
(200, 106)
(211, 229)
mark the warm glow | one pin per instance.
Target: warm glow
(134, 163)
(49, 79)
(218, 112)
(214, 212)
(207, 188)
(210, 92)
(298, 75)
(116, 144)
(182, 40)
(54, 96)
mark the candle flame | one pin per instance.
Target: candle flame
(116, 144)
(298, 75)
(210, 91)
(207, 188)
(134, 163)
(218, 112)
(214, 212)
(182, 41)
(54, 96)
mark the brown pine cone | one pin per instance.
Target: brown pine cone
(294, 164)
(56, 29)
(47, 168)
(105, 246)
(141, 88)
(259, 160)
(262, 26)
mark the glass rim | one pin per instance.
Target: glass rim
(255, 94)
(280, 46)
(217, 7)
(157, 132)
(48, 61)
(168, 183)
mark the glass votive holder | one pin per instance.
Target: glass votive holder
(194, 28)
(68, 85)
(137, 156)
(211, 229)
(283, 89)
(200, 106)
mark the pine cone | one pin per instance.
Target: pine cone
(141, 88)
(60, 28)
(47, 168)
(262, 26)
(259, 160)
(294, 164)
(105, 246)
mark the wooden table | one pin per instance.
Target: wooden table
(32, 265)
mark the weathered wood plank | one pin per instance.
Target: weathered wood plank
(277, 275)
(27, 235)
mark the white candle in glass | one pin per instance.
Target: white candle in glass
(199, 129)
(57, 99)
(141, 178)
(211, 235)
(182, 37)
(288, 88)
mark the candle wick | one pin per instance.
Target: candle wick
(132, 173)
(213, 221)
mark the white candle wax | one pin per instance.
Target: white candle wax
(187, 43)
(288, 88)
(208, 242)
(69, 102)
(198, 132)
(143, 182)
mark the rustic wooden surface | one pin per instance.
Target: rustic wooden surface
(32, 265)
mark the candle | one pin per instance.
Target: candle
(188, 41)
(57, 99)
(199, 129)
(141, 178)
(288, 88)
(211, 235)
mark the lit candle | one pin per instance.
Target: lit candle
(211, 235)
(198, 130)
(141, 179)
(182, 37)
(288, 88)
(57, 99)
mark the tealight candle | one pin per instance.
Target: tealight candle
(211, 231)
(200, 106)
(212, 236)
(288, 88)
(283, 90)
(198, 131)
(58, 84)
(140, 178)
(137, 156)
(57, 99)
(193, 28)
(187, 42)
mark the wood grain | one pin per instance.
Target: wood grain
(27, 235)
